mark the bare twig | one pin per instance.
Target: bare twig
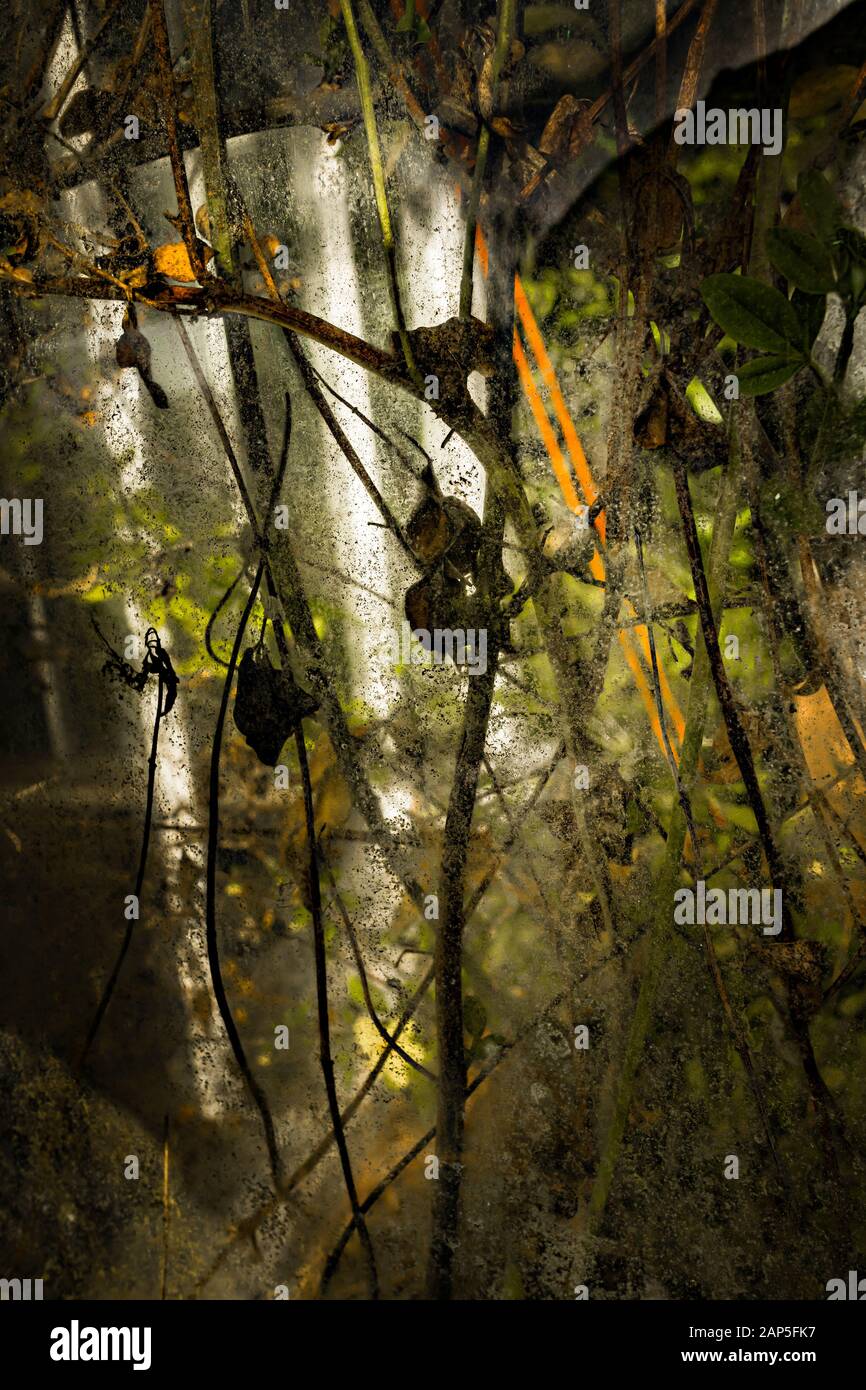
(661, 59)
(699, 693)
(219, 426)
(169, 111)
(418, 1147)
(736, 732)
(111, 982)
(365, 984)
(55, 105)
(250, 1226)
(212, 942)
(600, 104)
(738, 1034)
(504, 35)
(363, 74)
(821, 1096)
(325, 1058)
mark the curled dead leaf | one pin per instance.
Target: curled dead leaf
(268, 705)
(173, 260)
(16, 272)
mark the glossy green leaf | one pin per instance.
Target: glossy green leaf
(753, 313)
(764, 374)
(811, 309)
(801, 259)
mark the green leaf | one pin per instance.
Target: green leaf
(811, 309)
(764, 374)
(819, 203)
(702, 402)
(801, 259)
(474, 1016)
(742, 816)
(852, 241)
(542, 296)
(753, 313)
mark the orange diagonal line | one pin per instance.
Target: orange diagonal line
(548, 376)
(646, 694)
(530, 327)
(669, 699)
(551, 443)
(628, 640)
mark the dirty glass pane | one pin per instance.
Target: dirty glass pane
(434, 737)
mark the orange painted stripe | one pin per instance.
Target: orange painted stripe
(563, 477)
(628, 640)
(548, 375)
(536, 342)
(551, 443)
(481, 250)
(646, 694)
(669, 699)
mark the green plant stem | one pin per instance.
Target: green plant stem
(700, 689)
(108, 991)
(467, 273)
(219, 991)
(392, 68)
(198, 27)
(365, 90)
(325, 1057)
(504, 34)
(169, 109)
(198, 31)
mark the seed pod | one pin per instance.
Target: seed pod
(464, 535)
(445, 526)
(436, 601)
(427, 530)
(133, 350)
(268, 705)
(158, 661)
